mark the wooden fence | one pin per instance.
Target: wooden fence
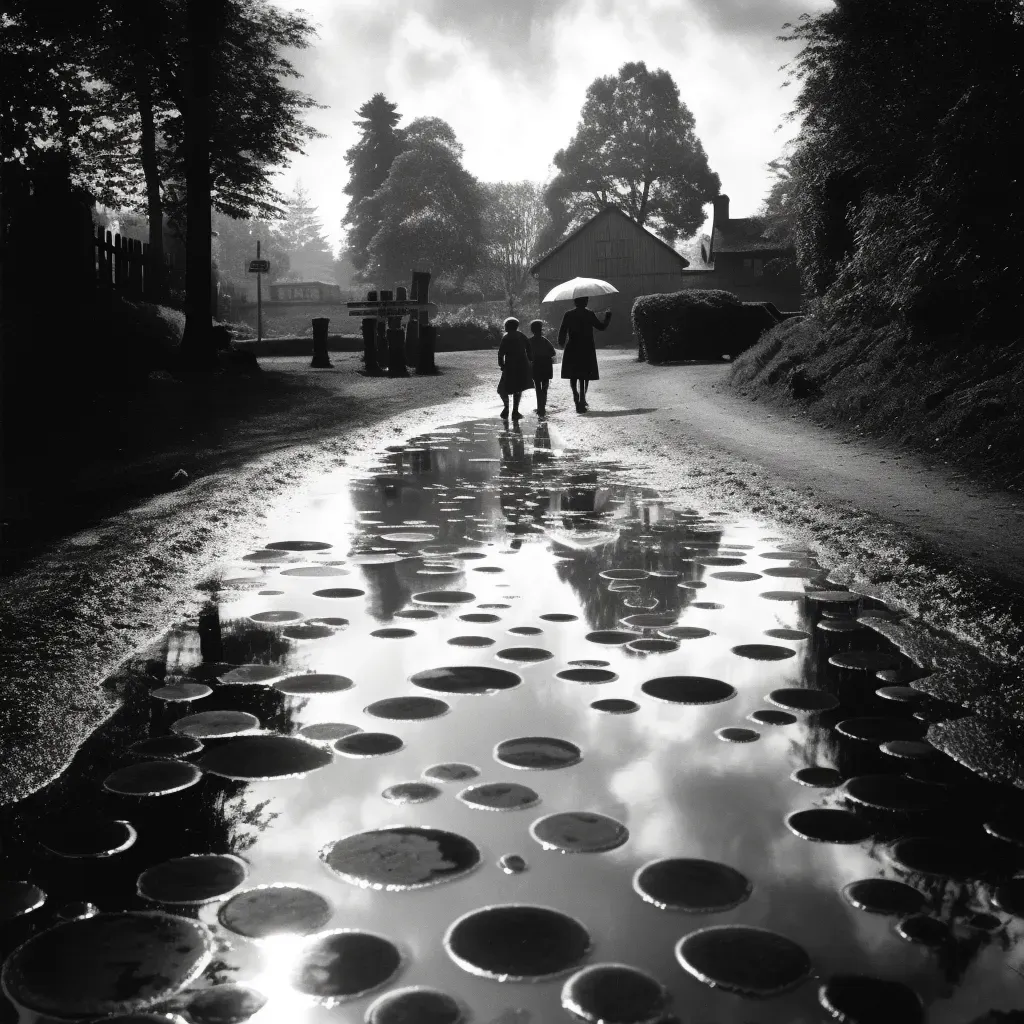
(123, 265)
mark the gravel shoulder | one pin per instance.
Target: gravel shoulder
(924, 539)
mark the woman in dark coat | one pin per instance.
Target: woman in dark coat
(579, 364)
(514, 363)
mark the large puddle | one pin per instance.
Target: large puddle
(481, 720)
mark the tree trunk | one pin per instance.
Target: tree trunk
(197, 345)
(154, 291)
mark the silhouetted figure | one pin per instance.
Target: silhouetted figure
(576, 336)
(542, 353)
(514, 362)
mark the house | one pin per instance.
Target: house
(743, 261)
(613, 247)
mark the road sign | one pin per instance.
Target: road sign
(259, 266)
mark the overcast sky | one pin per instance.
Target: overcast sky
(511, 76)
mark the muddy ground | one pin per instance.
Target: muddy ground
(924, 539)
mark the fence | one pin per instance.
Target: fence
(123, 265)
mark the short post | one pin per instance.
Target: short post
(321, 360)
(259, 301)
(382, 330)
(396, 341)
(369, 332)
(412, 330)
(427, 331)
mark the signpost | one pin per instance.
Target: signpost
(389, 311)
(259, 268)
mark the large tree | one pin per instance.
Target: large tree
(430, 211)
(514, 219)
(635, 146)
(301, 236)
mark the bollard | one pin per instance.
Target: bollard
(321, 360)
(428, 333)
(369, 332)
(396, 341)
(386, 295)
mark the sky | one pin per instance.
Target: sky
(510, 76)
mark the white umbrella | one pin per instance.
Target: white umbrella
(578, 287)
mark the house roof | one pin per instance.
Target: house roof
(742, 234)
(608, 209)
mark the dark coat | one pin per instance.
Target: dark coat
(577, 335)
(543, 353)
(514, 360)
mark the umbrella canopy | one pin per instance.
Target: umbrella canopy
(578, 287)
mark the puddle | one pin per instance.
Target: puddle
(578, 648)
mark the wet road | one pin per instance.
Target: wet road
(552, 588)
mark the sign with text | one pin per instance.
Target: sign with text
(259, 266)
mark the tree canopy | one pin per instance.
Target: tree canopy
(514, 220)
(635, 146)
(301, 236)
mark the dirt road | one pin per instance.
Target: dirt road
(920, 537)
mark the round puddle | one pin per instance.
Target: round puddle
(770, 717)
(333, 622)
(451, 771)
(884, 896)
(524, 655)
(745, 960)
(691, 584)
(316, 571)
(859, 999)
(181, 692)
(443, 597)
(902, 694)
(517, 942)
(623, 574)
(368, 744)
(652, 645)
(579, 832)
(736, 577)
(782, 595)
(152, 778)
(692, 885)
(18, 898)
(737, 734)
(393, 633)
(167, 746)
(400, 858)
(345, 964)
(307, 632)
(1007, 827)
(416, 613)
(480, 617)
(415, 1005)
(685, 632)
(471, 641)
(835, 626)
(923, 929)
(880, 729)
(615, 994)
(611, 637)
(274, 617)
(265, 757)
(559, 617)
(800, 700)
(537, 753)
(865, 661)
(213, 724)
(615, 706)
(277, 909)
(408, 709)
(587, 675)
(198, 878)
(252, 674)
(410, 793)
(408, 537)
(952, 858)
(896, 793)
(709, 606)
(113, 963)
(512, 863)
(763, 652)
(787, 634)
(314, 682)
(793, 572)
(339, 593)
(500, 796)
(822, 825)
(817, 776)
(688, 690)
(471, 679)
(327, 731)
(86, 837)
(226, 1004)
(299, 545)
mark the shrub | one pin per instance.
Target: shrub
(697, 323)
(459, 333)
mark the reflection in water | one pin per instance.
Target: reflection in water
(540, 543)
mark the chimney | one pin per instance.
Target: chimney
(721, 205)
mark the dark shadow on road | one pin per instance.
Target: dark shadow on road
(620, 412)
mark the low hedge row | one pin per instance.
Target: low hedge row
(697, 323)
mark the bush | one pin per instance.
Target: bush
(697, 324)
(459, 333)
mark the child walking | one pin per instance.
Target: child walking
(543, 353)
(514, 363)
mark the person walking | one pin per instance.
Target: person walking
(542, 353)
(576, 336)
(514, 363)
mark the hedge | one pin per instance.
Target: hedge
(697, 324)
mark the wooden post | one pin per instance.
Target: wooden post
(321, 360)
(259, 300)
(386, 295)
(396, 341)
(369, 332)
(427, 332)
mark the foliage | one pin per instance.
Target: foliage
(300, 235)
(235, 245)
(635, 146)
(457, 333)
(514, 218)
(778, 211)
(901, 161)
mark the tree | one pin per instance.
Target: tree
(369, 163)
(635, 146)
(235, 245)
(301, 237)
(430, 210)
(514, 218)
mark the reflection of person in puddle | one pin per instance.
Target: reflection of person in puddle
(513, 450)
(542, 443)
